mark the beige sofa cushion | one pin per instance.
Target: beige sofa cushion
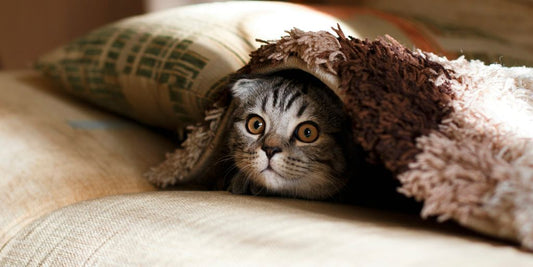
(217, 228)
(55, 151)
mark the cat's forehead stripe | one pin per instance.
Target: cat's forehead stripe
(263, 105)
(284, 96)
(275, 101)
(302, 109)
(288, 88)
(294, 97)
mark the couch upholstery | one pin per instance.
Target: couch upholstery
(56, 151)
(211, 228)
(72, 193)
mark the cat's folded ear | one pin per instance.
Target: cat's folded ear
(244, 88)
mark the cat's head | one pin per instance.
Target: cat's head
(289, 137)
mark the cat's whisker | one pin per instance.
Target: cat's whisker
(229, 171)
(260, 191)
(295, 160)
(299, 169)
(223, 159)
(244, 156)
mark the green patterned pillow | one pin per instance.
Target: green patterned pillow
(166, 68)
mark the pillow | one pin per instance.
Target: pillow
(165, 68)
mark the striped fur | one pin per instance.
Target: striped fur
(276, 162)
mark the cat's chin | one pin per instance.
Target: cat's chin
(305, 186)
(271, 173)
(273, 180)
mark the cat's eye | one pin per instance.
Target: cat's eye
(307, 132)
(255, 124)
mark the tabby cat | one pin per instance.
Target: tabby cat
(290, 137)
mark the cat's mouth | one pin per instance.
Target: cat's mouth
(271, 170)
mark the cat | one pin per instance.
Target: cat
(290, 137)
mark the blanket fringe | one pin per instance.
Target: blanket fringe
(179, 164)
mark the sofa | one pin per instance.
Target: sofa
(73, 192)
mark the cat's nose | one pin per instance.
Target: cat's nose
(270, 151)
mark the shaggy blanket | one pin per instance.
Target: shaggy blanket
(456, 134)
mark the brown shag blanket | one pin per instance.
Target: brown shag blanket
(457, 135)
